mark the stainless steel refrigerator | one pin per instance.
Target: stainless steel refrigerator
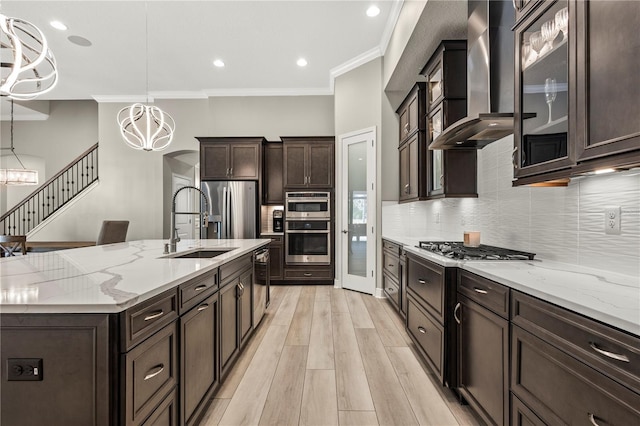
(233, 209)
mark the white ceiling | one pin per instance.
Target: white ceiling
(177, 42)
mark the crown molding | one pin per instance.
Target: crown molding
(392, 20)
(270, 92)
(123, 99)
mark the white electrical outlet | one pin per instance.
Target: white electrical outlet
(612, 220)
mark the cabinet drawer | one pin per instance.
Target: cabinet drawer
(150, 372)
(562, 390)
(144, 319)
(166, 414)
(610, 351)
(391, 264)
(391, 247)
(426, 280)
(487, 293)
(308, 274)
(521, 415)
(391, 289)
(231, 269)
(194, 291)
(428, 335)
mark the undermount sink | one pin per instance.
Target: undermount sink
(202, 254)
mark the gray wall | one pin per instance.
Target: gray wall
(132, 182)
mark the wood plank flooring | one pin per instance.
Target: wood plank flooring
(326, 356)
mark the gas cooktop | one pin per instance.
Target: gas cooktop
(457, 250)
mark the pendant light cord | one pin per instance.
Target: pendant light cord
(11, 130)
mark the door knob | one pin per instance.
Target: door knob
(344, 231)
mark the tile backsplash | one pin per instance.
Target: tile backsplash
(565, 224)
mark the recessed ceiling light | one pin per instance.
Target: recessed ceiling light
(58, 25)
(302, 62)
(218, 63)
(373, 11)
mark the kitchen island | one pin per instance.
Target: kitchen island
(122, 333)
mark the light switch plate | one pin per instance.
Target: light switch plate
(612, 220)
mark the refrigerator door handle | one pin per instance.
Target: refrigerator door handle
(225, 219)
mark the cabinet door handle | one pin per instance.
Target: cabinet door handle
(608, 354)
(441, 180)
(421, 281)
(455, 313)
(406, 189)
(203, 307)
(154, 371)
(513, 157)
(231, 171)
(200, 287)
(422, 330)
(154, 315)
(592, 419)
(308, 274)
(479, 290)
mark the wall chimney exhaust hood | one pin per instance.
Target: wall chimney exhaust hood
(490, 62)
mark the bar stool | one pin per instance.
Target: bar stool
(113, 231)
(11, 243)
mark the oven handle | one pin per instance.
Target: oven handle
(293, 231)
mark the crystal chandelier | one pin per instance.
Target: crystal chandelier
(146, 127)
(28, 65)
(22, 176)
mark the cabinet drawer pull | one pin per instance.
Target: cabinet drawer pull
(154, 315)
(154, 371)
(455, 313)
(308, 274)
(391, 265)
(608, 354)
(592, 419)
(421, 281)
(479, 290)
(203, 307)
(422, 330)
(200, 287)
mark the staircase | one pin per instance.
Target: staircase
(51, 196)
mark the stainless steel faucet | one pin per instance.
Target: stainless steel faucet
(173, 240)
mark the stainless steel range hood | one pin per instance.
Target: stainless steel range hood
(490, 61)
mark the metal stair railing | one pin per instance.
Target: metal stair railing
(52, 195)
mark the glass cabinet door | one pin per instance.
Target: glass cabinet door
(436, 166)
(543, 80)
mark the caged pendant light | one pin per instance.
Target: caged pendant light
(27, 64)
(146, 127)
(22, 176)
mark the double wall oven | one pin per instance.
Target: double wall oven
(307, 230)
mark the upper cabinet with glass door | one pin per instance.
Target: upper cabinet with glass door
(577, 94)
(542, 91)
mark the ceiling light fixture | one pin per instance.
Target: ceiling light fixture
(58, 25)
(218, 63)
(146, 127)
(22, 176)
(302, 62)
(604, 171)
(373, 11)
(28, 65)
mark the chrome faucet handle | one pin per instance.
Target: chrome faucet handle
(177, 237)
(205, 219)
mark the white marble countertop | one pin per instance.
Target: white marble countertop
(605, 296)
(105, 279)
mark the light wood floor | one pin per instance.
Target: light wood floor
(326, 356)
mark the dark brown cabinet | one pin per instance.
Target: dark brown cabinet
(391, 279)
(308, 162)
(482, 314)
(199, 360)
(230, 158)
(236, 310)
(450, 172)
(273, 174)
(276, 258)
(576, 92)
(412, 180)
(411, 112)
(429, 314)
